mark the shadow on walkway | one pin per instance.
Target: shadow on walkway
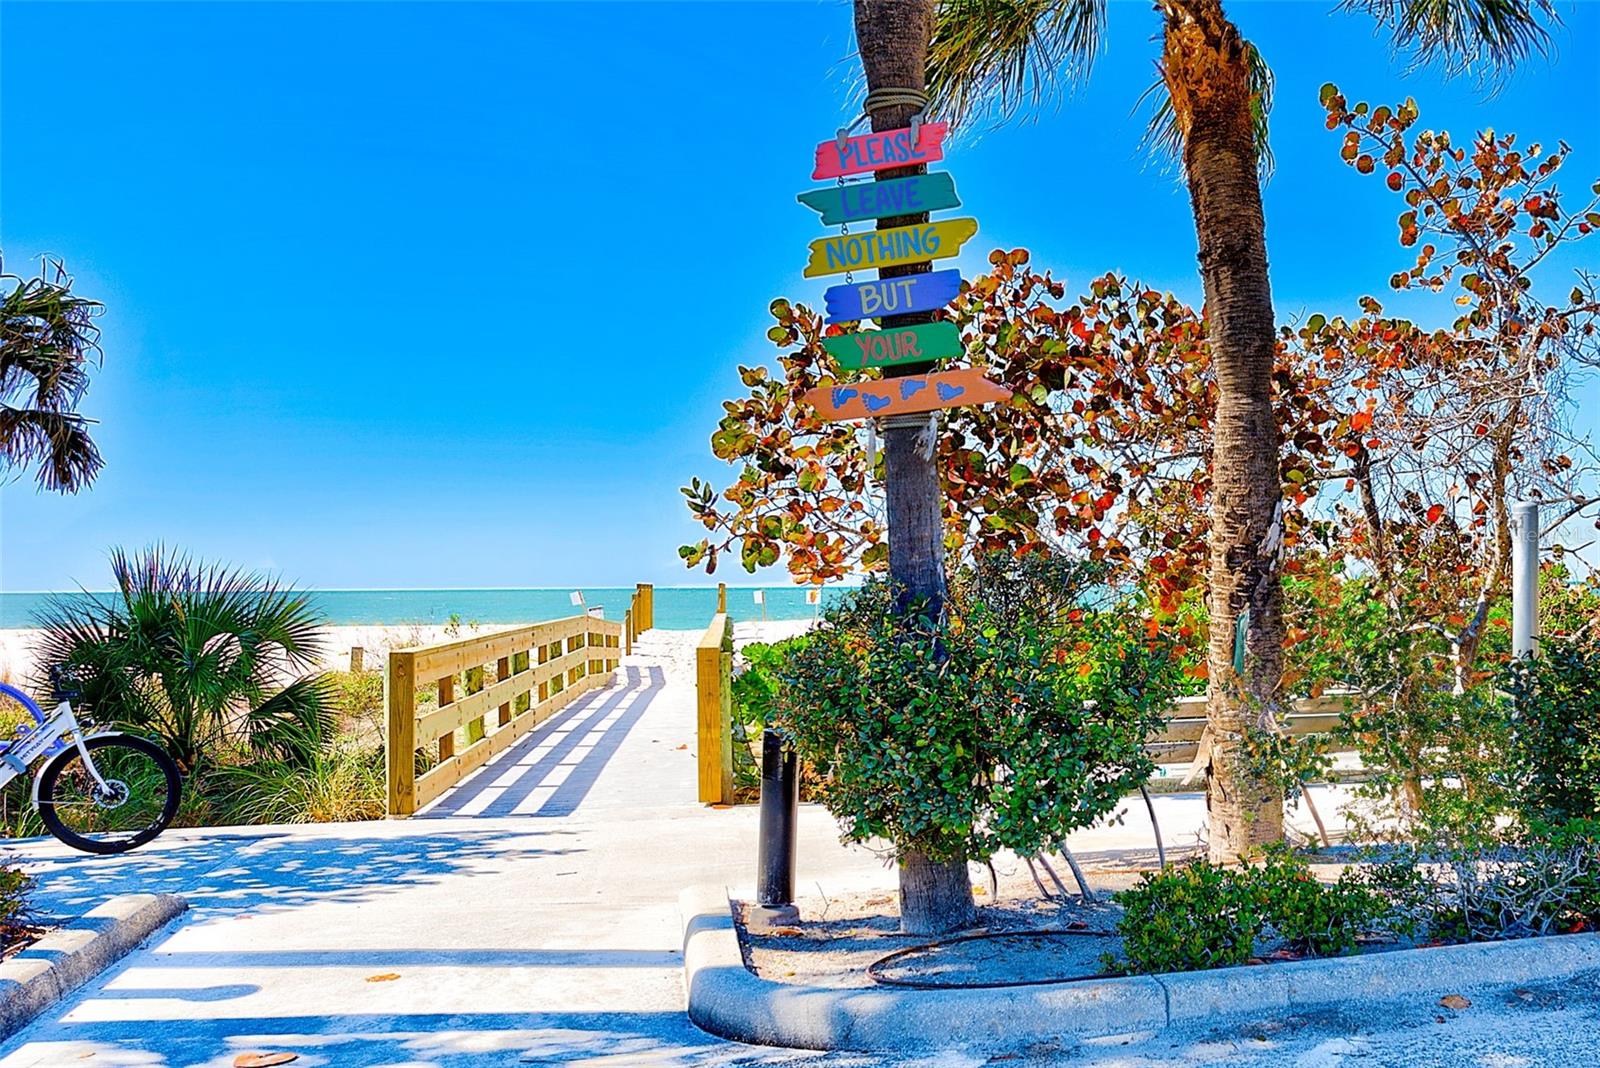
(551, 770)
(276, 871)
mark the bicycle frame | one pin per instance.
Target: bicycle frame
(47, 738)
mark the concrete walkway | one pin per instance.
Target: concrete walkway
(531, 918)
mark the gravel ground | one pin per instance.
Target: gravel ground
(837, 939)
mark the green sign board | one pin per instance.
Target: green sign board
(897, 345)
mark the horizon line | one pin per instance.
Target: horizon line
(499, 589)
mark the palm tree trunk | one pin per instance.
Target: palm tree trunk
(1206, 69)
(893, 37)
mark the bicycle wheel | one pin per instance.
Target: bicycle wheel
(139, 799)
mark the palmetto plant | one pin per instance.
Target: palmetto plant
(218, 663)
(48, 341)
(1212, 97)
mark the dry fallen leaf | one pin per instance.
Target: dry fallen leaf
(263, 1060)
(386, 977)
(788, 932)
(1454, 1001)
(684, 746)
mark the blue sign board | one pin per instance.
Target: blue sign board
(891, 296)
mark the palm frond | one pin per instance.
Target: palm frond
(996, 55)
(48, 340)
(295, 723)
(197, 653)
(1481, 37)
(57, 441)
(1164, 140)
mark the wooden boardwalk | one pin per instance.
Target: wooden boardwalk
(552, 769)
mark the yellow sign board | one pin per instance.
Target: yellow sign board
(888, 248)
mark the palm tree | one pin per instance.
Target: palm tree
(998, 54)
(217, 662)
(893, 37)
(47, 341)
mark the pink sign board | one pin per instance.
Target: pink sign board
(880, 151)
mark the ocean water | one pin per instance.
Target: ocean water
(677, 607)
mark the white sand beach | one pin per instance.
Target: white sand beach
(375, 641)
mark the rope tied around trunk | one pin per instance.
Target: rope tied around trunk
(889, 98)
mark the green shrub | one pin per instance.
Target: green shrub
(755, 689)
(16, 907)
(1311, 917)
(1183, 919)
(357, 695)
(1555, 736)
(754, 693)
(1016, 718)
(1205, 916)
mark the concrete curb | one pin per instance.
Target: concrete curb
(70, 956)
(728, 1000)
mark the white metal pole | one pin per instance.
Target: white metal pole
(1524, 577)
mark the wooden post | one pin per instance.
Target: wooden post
(447, 694)
(647, 607)
(627, 633)
(503, 672)
(476, 729)
(400, 761)
(357, 658)
(722, 597)
(713, 662)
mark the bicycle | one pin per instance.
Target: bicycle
(99, 791)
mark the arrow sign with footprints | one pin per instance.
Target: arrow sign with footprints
(905, 396)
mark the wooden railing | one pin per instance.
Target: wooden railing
(537, 671)
(1180, 740)
(713, 671)
(640, 616)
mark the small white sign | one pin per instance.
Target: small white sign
(760, 596)
(577, 597)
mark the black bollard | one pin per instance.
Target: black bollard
(780, 810)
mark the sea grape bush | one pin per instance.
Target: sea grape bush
(1400, 444)
(1015, 718)
(1443, 427)
(753, 694)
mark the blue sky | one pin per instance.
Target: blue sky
(413, 295)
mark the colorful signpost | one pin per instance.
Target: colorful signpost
(891, 296)
(880, 151)
(888, 248)
(881, 200)
(905, 396)
(895, 346)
